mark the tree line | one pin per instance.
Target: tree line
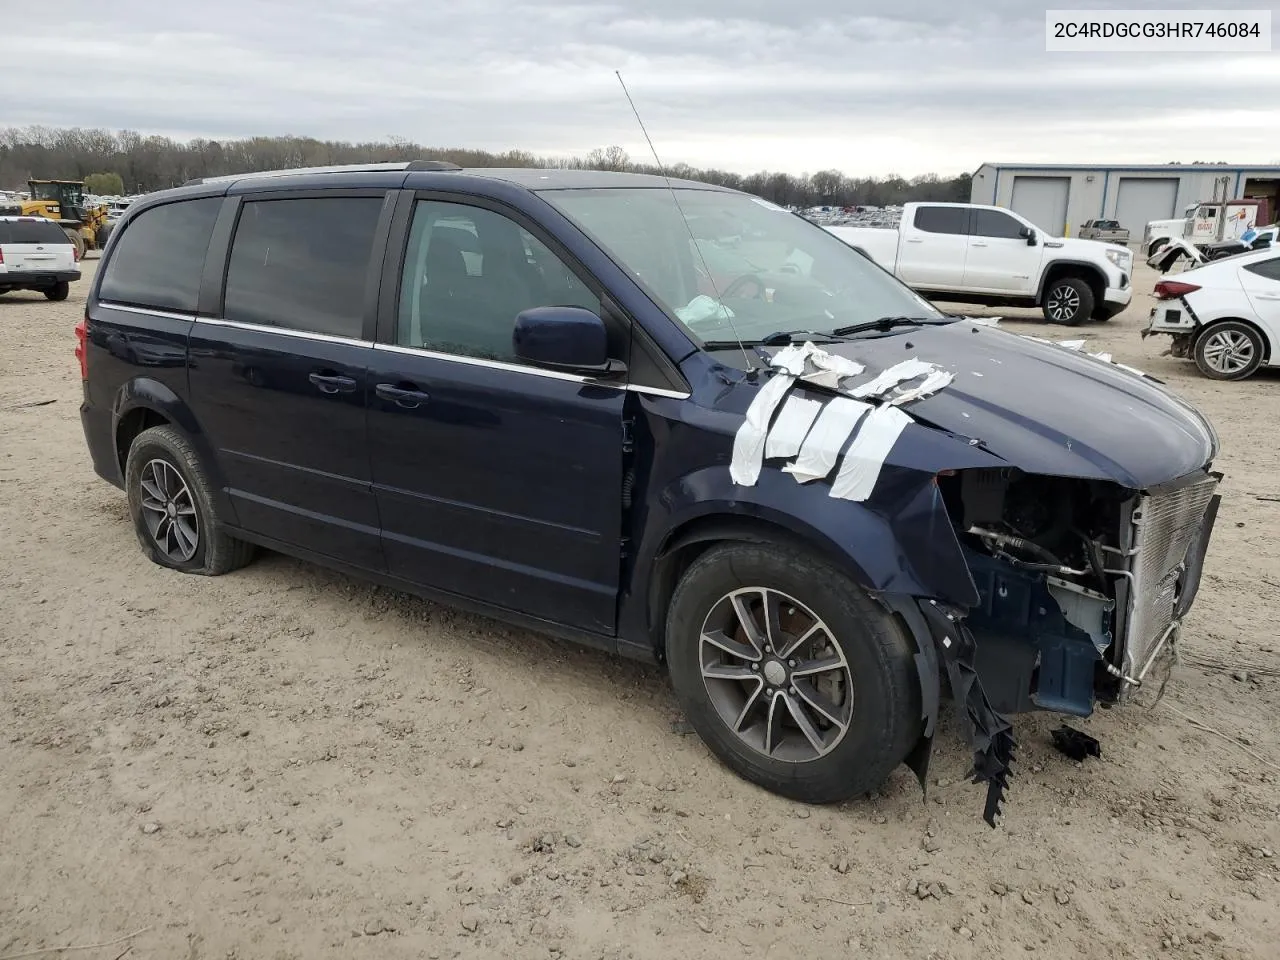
(145, 163)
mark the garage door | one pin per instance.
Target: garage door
(1043, 201)
(1140, 200)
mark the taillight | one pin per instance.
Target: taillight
(1, 254)
(1173, 289)
(81, 337)
(75, 253)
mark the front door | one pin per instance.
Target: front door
(279, 381)
(999, 259)
(495, 480)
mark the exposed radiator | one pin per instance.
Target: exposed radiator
(1164, 527)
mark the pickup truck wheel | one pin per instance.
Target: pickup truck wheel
(1068, 301)
(171, 502)
(790, 673)
(1229, 350)
(58, 291)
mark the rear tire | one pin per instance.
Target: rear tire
(1229, 350)
(58, 291)
(1069, 301)
(163, 470)
(870, 715)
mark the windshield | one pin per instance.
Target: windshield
(74, 195)
(750, 268)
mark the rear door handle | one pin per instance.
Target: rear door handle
(1268, 296)
(976, 243)
(914, 240)
(408, 397)
(332, 383)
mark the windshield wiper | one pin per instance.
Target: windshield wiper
(888, 323)
(779, 338)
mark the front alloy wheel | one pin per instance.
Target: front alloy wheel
(776, 675)
(790, 673)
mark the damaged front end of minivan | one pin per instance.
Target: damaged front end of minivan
(1081, 528)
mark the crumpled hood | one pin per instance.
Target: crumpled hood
(1044, 408)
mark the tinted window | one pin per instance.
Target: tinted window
(467, 273)
(32, 231)
(1267, 268)
(303, 264)
(158, 259)
(942, 219)
(993, 223)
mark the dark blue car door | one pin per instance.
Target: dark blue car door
(495, 480)
(279, 377)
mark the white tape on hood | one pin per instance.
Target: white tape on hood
(1071, 344)
(792, 360)
(890, 377)
(822, 445)
(789, 429)
(985, 321)
(861, 466)
(932, 384)
(748, 442)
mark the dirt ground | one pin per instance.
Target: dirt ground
(287, 763)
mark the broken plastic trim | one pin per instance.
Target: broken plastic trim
(990, 733)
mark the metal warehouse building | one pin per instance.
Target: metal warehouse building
(1058, 199)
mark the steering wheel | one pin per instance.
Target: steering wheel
(747, 279)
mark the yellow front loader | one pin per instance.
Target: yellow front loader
(63, 201)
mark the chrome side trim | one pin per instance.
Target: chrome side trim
(532, 371)
(283, 331)
(659, 391)
(146, 311)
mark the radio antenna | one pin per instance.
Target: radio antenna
(725, 312)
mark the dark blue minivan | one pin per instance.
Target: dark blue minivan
(658, 417)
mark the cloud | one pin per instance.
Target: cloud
(931, 86)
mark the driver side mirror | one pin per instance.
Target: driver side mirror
(564, 338)
(1029, 235)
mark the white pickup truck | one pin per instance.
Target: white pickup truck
(968, 253)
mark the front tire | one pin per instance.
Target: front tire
(1069, 301)
(171, 502)
(58, 291)
(1230, 350)
(790, 673)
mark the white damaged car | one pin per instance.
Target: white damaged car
(1225, 315)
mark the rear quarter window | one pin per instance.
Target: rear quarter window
(33, 231)
(953, 220)
(158, 259)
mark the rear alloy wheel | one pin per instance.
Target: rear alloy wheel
(171, 502)
(1068, 301)
(790, 673)
(1230, 350)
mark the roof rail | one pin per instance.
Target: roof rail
(410, 166)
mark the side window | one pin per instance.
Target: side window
(159, 257)
(302, 264)
(993, 223)
(468, 272)
(1267, 268)
(942, 219)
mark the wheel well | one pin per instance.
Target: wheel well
(132, 424)
(685, 544)
(1097, 283)
(1266, 344)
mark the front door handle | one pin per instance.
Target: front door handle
(976, 243)
(408, 397)
(915, 240)
(332, 383)
(1267, 296)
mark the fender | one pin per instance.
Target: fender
(1052, 265)
(146, 393)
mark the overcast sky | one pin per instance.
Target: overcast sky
(907, 86)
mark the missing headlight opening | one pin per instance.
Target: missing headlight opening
(1081, 583)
